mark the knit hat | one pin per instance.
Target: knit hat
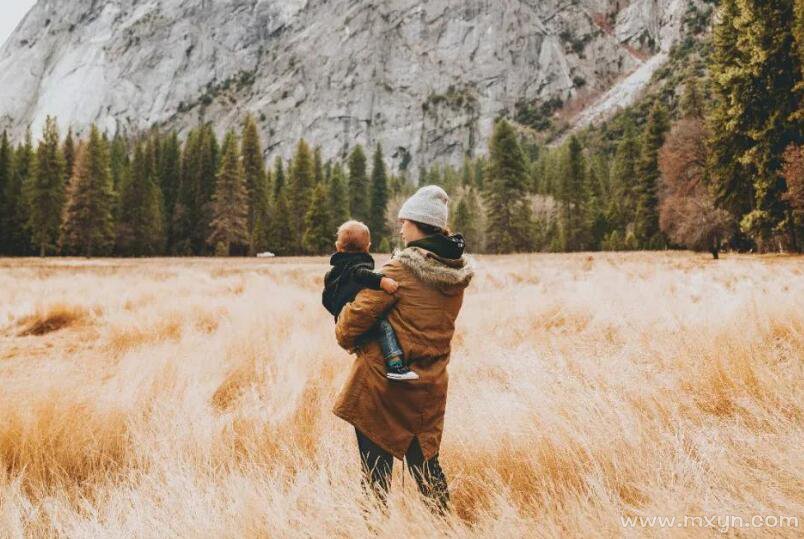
(428, 205)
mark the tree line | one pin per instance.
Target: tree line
(714, 163)
(153, 195)
(719, 166)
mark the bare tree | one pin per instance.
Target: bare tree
(687, 211)
(793, 172)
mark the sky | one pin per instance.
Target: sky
(11, 13)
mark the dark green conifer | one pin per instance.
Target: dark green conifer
(140, 229)
(6, 208)
(87, 226)
(15, 223)
(318, 234)
(379, 198)
(300, 190)
(45, 191)
(229, 224)
(508, 213)
(646, 217)
(338, 198)
(358, 185)
(256, 184)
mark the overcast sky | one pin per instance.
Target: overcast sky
(11, 13)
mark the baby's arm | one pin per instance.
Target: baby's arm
(375, 280)
(360, 315)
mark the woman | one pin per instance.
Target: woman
(395, 419)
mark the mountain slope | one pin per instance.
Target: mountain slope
(425, 79)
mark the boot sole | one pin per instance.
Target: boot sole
(402, 377)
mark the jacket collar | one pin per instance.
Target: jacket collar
(443, 273)
(339, 259)
(443, 246)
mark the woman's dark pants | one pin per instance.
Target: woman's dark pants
(378, 463)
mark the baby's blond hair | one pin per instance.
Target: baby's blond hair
(353, 237)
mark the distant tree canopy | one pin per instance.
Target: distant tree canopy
(712, 162)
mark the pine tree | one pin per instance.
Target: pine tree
(279, 176)
(318, 234)
(6, 209)
(193, 207)
(338, 198)
(379, 198)
(209, 161)
(300, 189)
(646, 218)
(465, 219)
(153, 153)
(691, 103)
(478, 242)
(282, 238)
(467, 178)
(433, 177)
(328, 171)
(119, 164)
(269, 188)
(68, 151)
(262, 227)
(395, 185)
(551, 174)
(480, 173)
(594, 216)
(45, 191)
(622, 203)
(256, 184)
(537, 174)
(185, 213)
(764, 93)
(451, 180)
(87, 226)
(318, 167)
(169, 180)
(229, 225)
(423, 179)
(573, 196)
(732, 182)
(15, 224)
(358, 185)
(508, 208)
(140, 229)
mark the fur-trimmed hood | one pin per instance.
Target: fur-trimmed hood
(442, 273)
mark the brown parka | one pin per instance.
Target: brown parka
(422, 313)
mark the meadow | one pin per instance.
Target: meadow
(191, 398)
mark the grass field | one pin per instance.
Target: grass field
(192, 398)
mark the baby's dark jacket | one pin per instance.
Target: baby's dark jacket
(350, 273)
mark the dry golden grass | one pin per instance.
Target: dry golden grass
(192, 398)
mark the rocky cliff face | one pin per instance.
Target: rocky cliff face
(425, 79)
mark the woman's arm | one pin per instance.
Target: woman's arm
(360, 315)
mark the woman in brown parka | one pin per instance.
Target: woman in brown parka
(406, 419)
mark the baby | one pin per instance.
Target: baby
(352, 271)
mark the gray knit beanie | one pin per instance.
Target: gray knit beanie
(428, 205)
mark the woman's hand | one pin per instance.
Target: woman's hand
(360, 315)
(389, 285)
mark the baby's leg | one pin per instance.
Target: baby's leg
(395, 367)
(391, 351)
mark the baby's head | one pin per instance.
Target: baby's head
(353, 237)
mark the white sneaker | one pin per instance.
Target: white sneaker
(401, 374)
